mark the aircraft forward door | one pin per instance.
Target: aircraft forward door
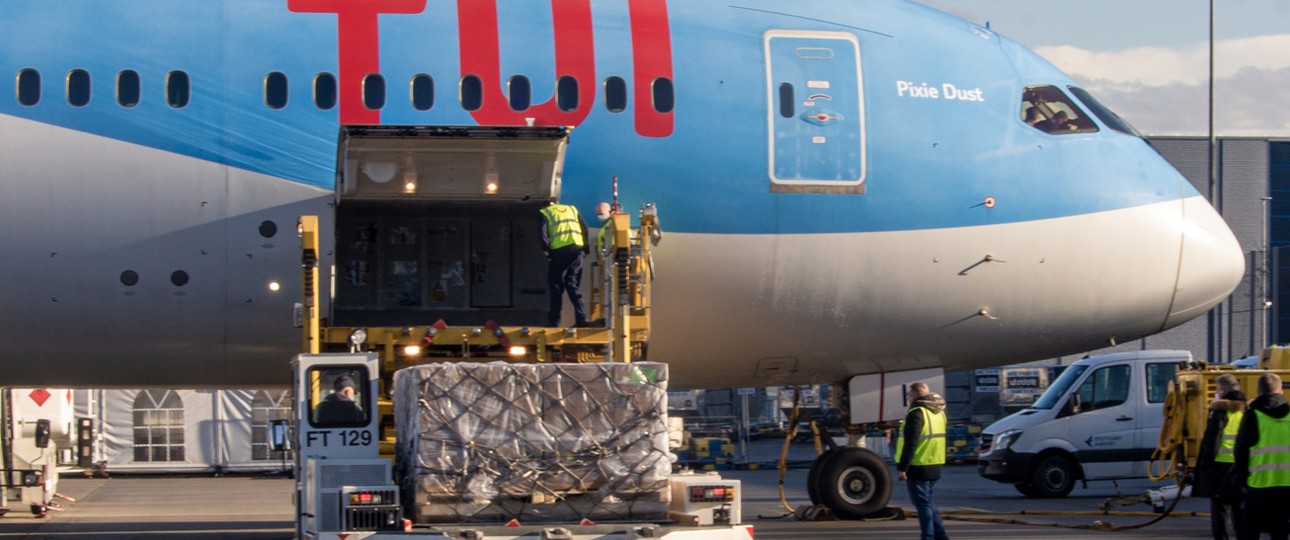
(815, 112)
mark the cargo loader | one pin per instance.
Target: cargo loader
(431, 399)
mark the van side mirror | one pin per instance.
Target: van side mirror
(280, 435)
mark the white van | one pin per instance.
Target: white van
(1099, 420)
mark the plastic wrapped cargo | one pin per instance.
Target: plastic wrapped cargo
(535, 442)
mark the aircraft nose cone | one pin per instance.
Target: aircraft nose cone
(1211, 266)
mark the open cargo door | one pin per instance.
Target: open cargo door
(443, 223)
(449, 163)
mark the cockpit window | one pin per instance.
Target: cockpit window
(1108, 116)
(1047, 109)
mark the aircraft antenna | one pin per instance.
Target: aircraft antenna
(615, 207)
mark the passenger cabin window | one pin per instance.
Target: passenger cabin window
(338, 396)
(1158, 378)
(520, 92)
(28, 87)
(177, 89)
(664, 99)
(1047, 109)
(1106, 387)
(1107, 116)
(128, 88)
(422, 92)
(471, 93)
(566, 93)
(275, 90)
(374, 91)
(615, 94)
(325, 91)
(78, 88)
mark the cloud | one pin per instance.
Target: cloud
(1164, 91)
(1142, 65)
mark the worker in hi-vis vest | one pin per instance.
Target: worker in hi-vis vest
(1217, 457)
(1262, 460)
(564, 240)
(920, 454)
(603, 212)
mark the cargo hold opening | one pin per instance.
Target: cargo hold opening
(443, 223)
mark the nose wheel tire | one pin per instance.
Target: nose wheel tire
(813, 475)
(852, 482)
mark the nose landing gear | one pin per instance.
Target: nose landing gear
(852, 482)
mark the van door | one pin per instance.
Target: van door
(1158, 375)
(1104, 427)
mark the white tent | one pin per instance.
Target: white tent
(172, 430)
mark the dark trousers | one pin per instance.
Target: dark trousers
(1225, 518)
(1224, 508)
(929, 517)
(1265, 510)
(564, 275)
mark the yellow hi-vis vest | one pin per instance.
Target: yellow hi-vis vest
(929, 449)
(562, 226)
(605, 233)
(1227, 440)
(1270, 457)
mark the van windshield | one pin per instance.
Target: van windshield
(1059, 387)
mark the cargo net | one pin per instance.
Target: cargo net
(534, 442)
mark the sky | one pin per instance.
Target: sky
(1149, 59)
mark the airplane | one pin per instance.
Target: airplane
(848, 188)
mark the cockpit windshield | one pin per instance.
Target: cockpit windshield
(1107, 116)
(1047, 109)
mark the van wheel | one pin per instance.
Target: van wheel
(1053, 477)
(853, 483)
(1027, 490)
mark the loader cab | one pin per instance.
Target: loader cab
(335, 400)
(338, 467)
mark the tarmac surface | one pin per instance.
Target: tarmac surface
(260, 507)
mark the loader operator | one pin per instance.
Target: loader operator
(339, 408)
(564, 240)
